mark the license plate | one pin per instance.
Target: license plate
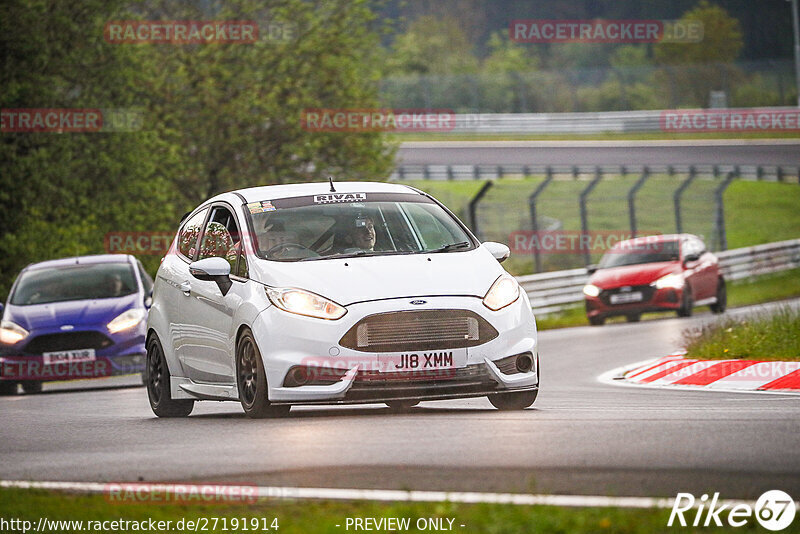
(426, 360)
(69, 356)
(624, 298)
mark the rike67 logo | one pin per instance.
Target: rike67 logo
(774, 510)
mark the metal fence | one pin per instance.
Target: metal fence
(554, 291)
(575, 123)
(515, 201)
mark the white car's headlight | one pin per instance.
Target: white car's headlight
(126, 320)
(591, 290)
(303, 302)
(674, 281)
(504, 291)
(11, 333)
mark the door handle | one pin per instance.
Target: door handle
(186, 287)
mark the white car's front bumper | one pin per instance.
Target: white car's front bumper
(287, 340)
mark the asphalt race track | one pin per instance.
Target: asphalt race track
(699, 152)
(581, 436)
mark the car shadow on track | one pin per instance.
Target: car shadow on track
(350, 412)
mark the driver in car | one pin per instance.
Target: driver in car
(361, 235)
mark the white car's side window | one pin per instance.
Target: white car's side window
(187, 239)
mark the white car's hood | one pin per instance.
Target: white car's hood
(350, 280)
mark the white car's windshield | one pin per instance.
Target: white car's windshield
(354, 224)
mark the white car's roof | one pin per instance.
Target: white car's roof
(270, 192)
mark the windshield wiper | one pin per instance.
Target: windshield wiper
(452, 246)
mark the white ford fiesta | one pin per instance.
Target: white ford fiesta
(338, 293)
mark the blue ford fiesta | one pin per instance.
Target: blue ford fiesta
(74, 318)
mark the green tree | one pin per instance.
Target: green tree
(432, 45)
(695, 69)
(215, 117)
(236, 109)
(60, 193)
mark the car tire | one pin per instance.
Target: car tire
(401, 405)
(7, 388)
(687, 302)
(722, 298)
(597, 321)
(31, 387)
(633, 317)
(518, 400)
(158, 384)
(251, 380)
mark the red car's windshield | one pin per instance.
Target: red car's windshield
(636, 254)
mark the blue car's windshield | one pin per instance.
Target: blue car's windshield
(76, 282)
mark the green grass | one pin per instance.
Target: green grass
(758, 336)
(755, 212)
(323, 516)
(606, 136)
(767, 288)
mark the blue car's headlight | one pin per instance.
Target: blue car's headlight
(11, 333)
(126, 320)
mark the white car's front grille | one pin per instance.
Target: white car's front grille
(417, 331)
(413, 330)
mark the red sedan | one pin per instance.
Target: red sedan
(654, 273)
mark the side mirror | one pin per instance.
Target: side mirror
(148, 300)
(591, 269)
(213, 270)
(690, 257)
(498, 250)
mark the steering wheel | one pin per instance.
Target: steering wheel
(286, 247)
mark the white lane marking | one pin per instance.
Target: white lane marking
(614, 378)
(598, 143)
(598, 501)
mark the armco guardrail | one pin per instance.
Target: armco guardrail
(552, 292)
(577, 123)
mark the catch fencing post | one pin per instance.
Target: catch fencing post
(587, 257)
(537, 260)
(676, 198)
(473, 207)
(719, 212)
(632, 199)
